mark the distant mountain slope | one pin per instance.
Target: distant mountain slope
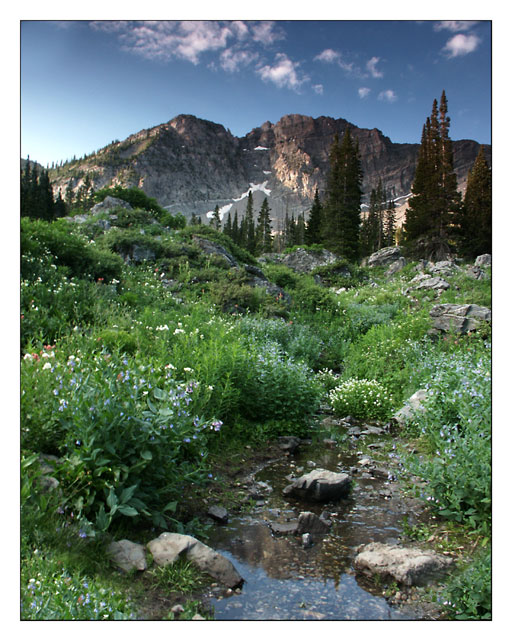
(191, 165)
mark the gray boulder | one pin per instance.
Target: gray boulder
(485, 260)
(384, 257)
(127, 555)
(406, 566)
(304, 261)
(412, 406)
(320, 486)
(436, 283)
(108, 204)
(169, 546)
(460, 318)
(212, 248)
(396, 266)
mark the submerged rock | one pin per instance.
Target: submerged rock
(310, 523)
(320, 486)
(405, 565)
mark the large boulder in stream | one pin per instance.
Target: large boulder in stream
(169, 546)
(406, 566)
(320, 486)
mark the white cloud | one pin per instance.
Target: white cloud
(318, 88)
(461, 45)
(455, 25)
(189, 39)
(266, 32)
(284, 73)
(363, 92)
(334, 57)
(388, 96)
(231, 60)
(371, 66)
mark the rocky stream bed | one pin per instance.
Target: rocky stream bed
(303, 559)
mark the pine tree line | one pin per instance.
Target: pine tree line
(438, 221)
(36, 195)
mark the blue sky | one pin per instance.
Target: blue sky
(86, 83)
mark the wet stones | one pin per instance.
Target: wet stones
(406, 566)
(310, 523)
(320, 486)
(218, 513)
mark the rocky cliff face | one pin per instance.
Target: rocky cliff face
(191, 165)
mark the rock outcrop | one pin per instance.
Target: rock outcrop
(459, 318)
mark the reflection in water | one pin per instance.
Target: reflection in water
(284, 581)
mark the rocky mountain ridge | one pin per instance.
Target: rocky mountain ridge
(191, 165)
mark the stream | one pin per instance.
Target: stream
(286, 581)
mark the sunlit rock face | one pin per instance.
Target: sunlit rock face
(192, 165)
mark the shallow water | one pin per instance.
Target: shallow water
(284, 580)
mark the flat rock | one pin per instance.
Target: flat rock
(320, 486)
(127, 555)
(169, 546)
(407, 566)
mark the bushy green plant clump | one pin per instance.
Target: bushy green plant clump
(128, 447)
(274, 386)
(364, 399)
(457, 420)
(468, 594)
(69, 250)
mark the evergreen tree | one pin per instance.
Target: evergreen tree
(476, 215)
(235, 231)
(264, 229)
(228, 226)
(60, 206)
(343, 202)
(249, 227)
(390, 224)
(314, 227)
(435, 203)
(215, 219)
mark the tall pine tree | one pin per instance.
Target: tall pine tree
(314, 226)
(435, 203)
(343, 202)
(476, 215)
(264, 230)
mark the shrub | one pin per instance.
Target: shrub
(68, 249)
(282, 275)
(127, 445)
(468, 595)
(457, 421)
(363, 399)
(274, 386)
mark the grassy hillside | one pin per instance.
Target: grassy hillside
(139, 375)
